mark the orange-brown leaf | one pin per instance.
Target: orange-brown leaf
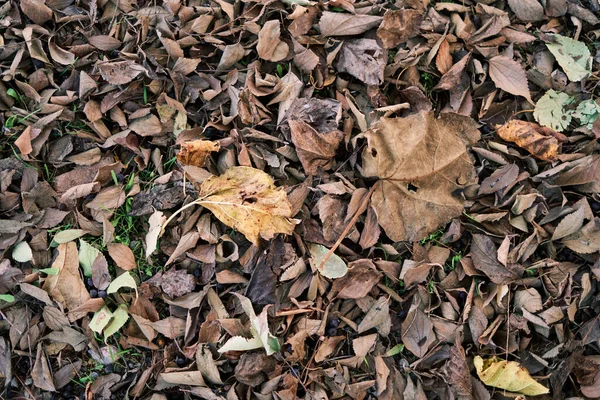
(540, 141)
(195, 152)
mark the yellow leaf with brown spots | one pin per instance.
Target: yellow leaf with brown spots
(507, 375)
(195, 152)
(540, 141)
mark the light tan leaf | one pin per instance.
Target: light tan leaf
(419, 171)
(172, 47)
(231, 55)
(120, 72)
(507, 375)
(24, 141)
(195, 152)
(270, 47)
(104, 42)
(314, 149)
(340, 24)
(36, 10)
(443, 61)
(569, 224)
(122, 256)
(538, 140)
(146, 126)
(398, 26)
(364, 59)
(157, 219)
(527, 10)
(247, 199)
(42, 377)
(509, 76)
(67, 287)
(60, 55)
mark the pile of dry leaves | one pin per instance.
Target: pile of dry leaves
(291, 199)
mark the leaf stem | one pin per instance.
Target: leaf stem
(176, 213)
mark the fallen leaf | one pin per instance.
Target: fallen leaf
(339, 24)
(42, 377)
(550, 110)
(247, 200)
(359, 281)
(195, 152)
(363, 59)
(572, 55)
(443, 60)
(569, 224)
(120, 72)
(36, 10)
(123, 280)
(315, 149)
(333, 268)
(119, 318)
(484, 255)
(527, 10)
(417, 332)
(509, 76)
(67, 287)
(122, 256)
(419, 172)
(270, 47)
(87, 256)
(398, 26)
(156, 221)
(104, 42)
(507, 375)
(22, 252)
(540, 141)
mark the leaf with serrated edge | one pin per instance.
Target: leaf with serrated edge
(120, 317)
(101, 318)
(509, 76)
(507, 375)
(123, 280)
(569, 224)
(572, 55)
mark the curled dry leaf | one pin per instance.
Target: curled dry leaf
(66, 286)
(507, 375)
(398, 26)
(195, 152)
(270, 47)
(422, 163)
(36, 10)
(540, 141)
(247, 200)
(364, 59)
(314, 149)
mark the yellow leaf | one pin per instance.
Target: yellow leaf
(247, 200)
(508, 375)
(195, 152)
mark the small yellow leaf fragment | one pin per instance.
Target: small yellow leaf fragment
(195, 152)
(508, 375)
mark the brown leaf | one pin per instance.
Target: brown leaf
(314, 149)
(42, 378)
(172, 47)
(443, 61)
(458, 370)
(509, 76)
(175, 283)
(417, 332)
(527, 10)
(24, 141)
(364, 59)
(231, 55)
(538, 140)
(247, 199)
(146, 126)
(502, 177)
(187, 242)
(483, 253)
(66, 286)
(36, 10)
(195, 152)
(569, 224)
(419, 171)
(398, 26)
(359, 281)
(270, 47)
(339, 24)
(104, 42)
(122, 256)
(120, 72)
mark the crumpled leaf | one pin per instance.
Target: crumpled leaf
(67, 287)
(364, 59)
(247, 200)
(507, 375)
(509, 76)
(572, 55)
(484, 256)
(398, 26)
(551, 111)
(314, 149)
(420, 171)
(195, 152)
(42, 377)
(259, 327)
(333, 268)
(587, 113)
(527, 10)
(540, 141)
(339, 24)
(270, 47)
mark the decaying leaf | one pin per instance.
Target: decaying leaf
(195, 152)
(417, 332)
(337, 24)
(120, 72)
(507, 375)
(156, 221)
(540, 141)
(333, 268)
(364, 59)
(67, 286)
(572, 55)
(421, 162)
(314, 149)
(398, 26)
(247, 199)
(510, 76)
(550, 110)
(270, 47)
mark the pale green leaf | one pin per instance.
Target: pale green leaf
(397, 349)
(87, 256)
(22, 252)
(573, 56)
(50, 271)
(120, 317)
(101, 318)
(239, 343)
(587, 113)
(123, 280)
(551, 110)
(68, 235)
(333, 268)
(9, 298)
